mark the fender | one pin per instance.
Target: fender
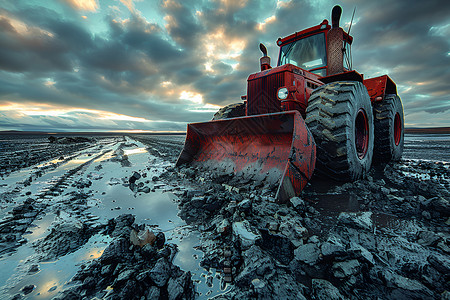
(378, 87)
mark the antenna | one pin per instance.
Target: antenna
(351, 22)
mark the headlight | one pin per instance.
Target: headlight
(283, 93)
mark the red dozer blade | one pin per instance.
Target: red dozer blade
(275, 148)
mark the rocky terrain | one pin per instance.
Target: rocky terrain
(390, 240)
(384, 237)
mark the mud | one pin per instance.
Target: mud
(70, 221)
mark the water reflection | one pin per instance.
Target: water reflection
(40, 229)
(129, 152)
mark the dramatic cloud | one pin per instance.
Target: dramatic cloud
(89, 5)
(124, 64)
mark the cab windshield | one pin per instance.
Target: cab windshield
(308, 53)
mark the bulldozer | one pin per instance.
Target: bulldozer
(311, 114)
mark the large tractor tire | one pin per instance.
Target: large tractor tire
(389, 129)
(340, 117)
(230, 111)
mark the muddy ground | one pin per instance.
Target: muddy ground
(111, 217)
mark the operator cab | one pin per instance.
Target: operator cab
(308, 53)
(316, 48)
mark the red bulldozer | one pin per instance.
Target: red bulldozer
(311, 113)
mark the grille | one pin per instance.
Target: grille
(262, 94)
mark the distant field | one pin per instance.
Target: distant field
(441, 130)
(434, 130)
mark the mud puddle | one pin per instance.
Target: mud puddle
(105, 181)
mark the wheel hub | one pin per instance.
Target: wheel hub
(361, 134)
(397, 129)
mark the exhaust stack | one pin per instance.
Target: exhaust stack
(336, 16)
(265, 60)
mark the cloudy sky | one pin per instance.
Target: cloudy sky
(94, 65)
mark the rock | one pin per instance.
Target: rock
(325, 290)
(223, 227)
(361, 253)
(213, 206)
(298, 204)
(358, 220)
(257, 264)
(114, 181)
(293, 229)
(89, 282)
(246, 235)
(309, 253)
(181, 287)
(406, 283)
(283, 211)
(273, 226)
(314, 239)
(441, 205)
(426, 214)
(107, 270)
(424, 202)
(93, 176)
(261, 288)
(197, 202)
(245, 205)
(129, 290)
(53, 288)
(160, 272)
(346, 269)
(28, 289)
(332, 249)
(125, 275)
(160, 240)
(153, 293)
(145, 190)
(440, 263)
(115, 251)
(134, 177)
(121, 225)
(280, 247)
(33, 269)
(428, 238)
(209, 281)
(385, 191)
(258, 283)
(149, 251)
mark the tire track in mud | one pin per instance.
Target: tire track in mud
(23, 215)
(67, 199)
(68, 234)
(164, 147)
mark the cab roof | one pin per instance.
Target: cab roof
(322, 27)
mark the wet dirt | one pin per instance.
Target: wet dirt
(386, 236)
(92, 187)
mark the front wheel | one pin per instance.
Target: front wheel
(389, 129)
(340, 117)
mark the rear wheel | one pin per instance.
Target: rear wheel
(230, 111)
(340, 117)
(389, 129)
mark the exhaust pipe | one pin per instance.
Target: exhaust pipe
(265, 60)
(336, 16)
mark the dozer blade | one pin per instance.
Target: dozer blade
(276, 148)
